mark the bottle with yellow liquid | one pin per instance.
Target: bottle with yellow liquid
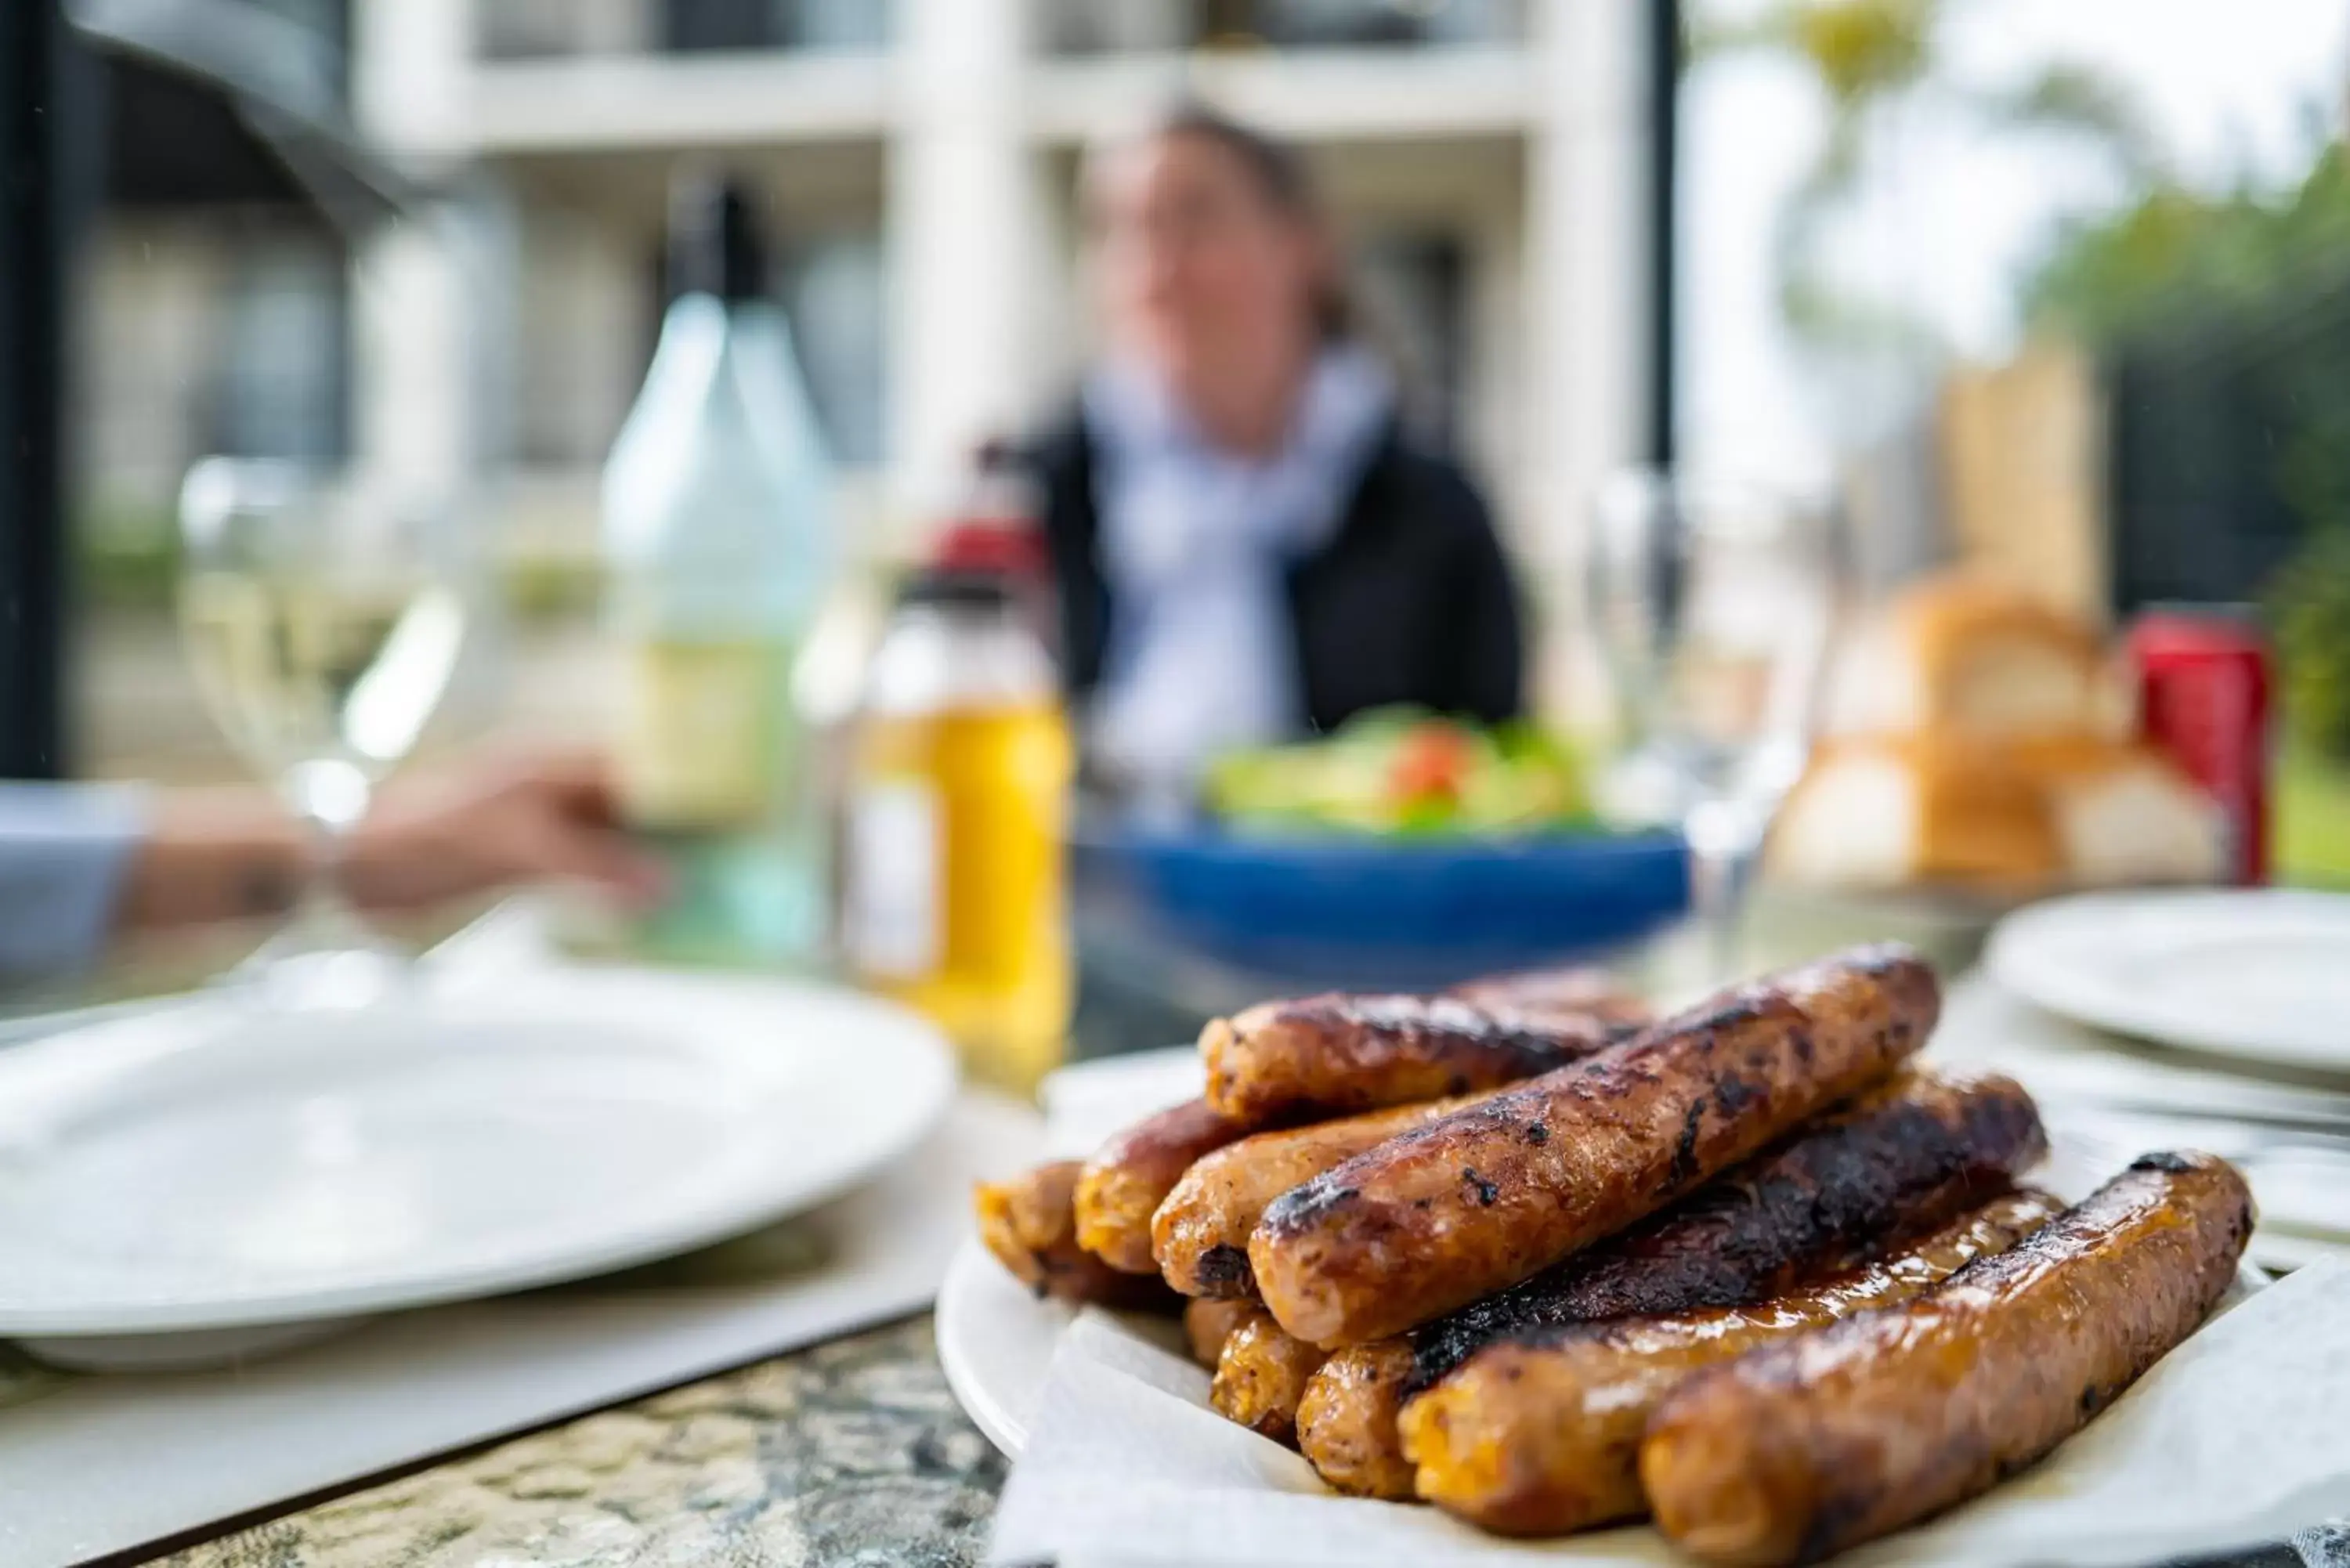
(955, 898)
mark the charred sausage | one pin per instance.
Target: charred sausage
(1027, 1222)
(1902, 1158)
(1907, 1153)
(1336, 1055)
(1199, 1235)
(1261, 1376)
(1125, 1180)
(1805, 1447)
(1540, 1434)
(1485, 1197)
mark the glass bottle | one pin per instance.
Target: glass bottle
(718, 529)
(955, 892)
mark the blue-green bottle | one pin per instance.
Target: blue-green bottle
(720, 537)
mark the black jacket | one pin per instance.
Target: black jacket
(1409, 602)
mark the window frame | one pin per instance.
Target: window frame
(46, 163)
(1666, 56)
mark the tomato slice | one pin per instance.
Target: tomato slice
(1431, 762)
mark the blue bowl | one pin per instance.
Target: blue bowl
(1385, 913)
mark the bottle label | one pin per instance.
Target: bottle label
(700, 733)
(893, 904)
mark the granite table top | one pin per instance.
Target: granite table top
(848, 1452)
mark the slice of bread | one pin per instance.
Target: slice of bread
(2022, 816)
(2126, 813)
(1891, 812)
(1970, 657)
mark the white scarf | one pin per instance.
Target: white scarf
(1197, 545)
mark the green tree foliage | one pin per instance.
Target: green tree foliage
(2177, 251)
(2310, 614)
(2255, 271)
(1875, 61)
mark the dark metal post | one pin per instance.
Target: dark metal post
(41, 113)
(1664, 57)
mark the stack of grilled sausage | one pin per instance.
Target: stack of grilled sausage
(1524, 1253)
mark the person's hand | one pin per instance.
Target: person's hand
(547, 817)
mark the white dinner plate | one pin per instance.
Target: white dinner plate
(210, 1168)
(2261, 975)
(995, 1339)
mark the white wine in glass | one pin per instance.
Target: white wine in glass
(323, 623)
(296, 671)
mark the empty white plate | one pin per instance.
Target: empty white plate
(211, 1168)
(2262, 975)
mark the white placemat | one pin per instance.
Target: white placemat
(101, 1464)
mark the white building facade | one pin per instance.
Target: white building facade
(920, 158)
(1488, 160)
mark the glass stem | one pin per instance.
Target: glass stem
(331, 798)
(1724, 846)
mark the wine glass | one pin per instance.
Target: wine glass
(322, 613)
(1713, 603)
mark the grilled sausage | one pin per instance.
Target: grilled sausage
(1347, 1419)
(1200, 1233)
(1208, 1324)
(1336, 1055)
(1540, 1434)
(1028, 1224)
(1805, 1447)
(1904, 1157)
(1124, 1184)
(1905, 1154)
(1261, 1376)
(1125, 1181)
(1487, 1196)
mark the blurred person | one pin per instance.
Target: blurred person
(1249, 547)
(81, 863)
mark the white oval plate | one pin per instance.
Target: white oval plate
(995, 1344)
(211, 1168)
(995, 1339)
(2261, 975)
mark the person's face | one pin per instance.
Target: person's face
(1200, 274)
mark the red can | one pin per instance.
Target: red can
(2203, 685)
